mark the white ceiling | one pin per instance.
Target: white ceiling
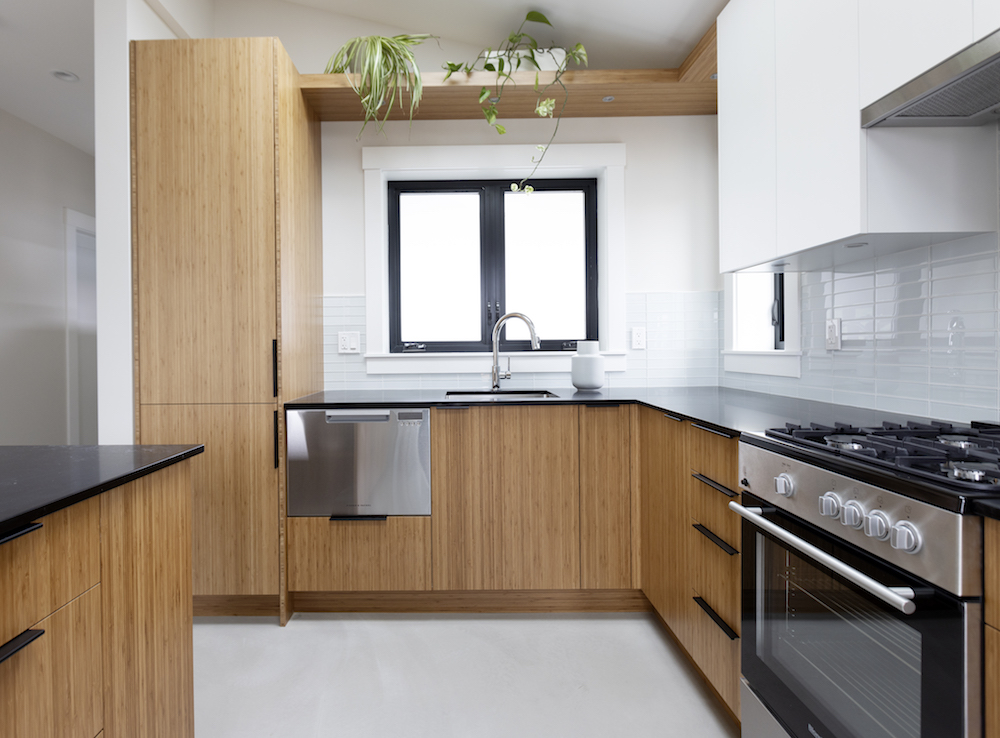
(38, 36)
(628, 34)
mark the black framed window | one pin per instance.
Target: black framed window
(464, 253)
(778, 311)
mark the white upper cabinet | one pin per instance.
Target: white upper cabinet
(901, 39)
(985, 17)
(747, 156)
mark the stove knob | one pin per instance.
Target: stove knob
(829, 505)
(853, 515)
(877, 525)
(905, 537)
(783, 485)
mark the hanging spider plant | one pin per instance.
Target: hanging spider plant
(380, 69)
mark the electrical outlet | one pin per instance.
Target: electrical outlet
(349, 342)
(833, 334)
(639, 338)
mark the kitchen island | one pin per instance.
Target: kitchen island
(95, 561)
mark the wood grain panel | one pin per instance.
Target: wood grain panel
(45, 569)
(537, 600)
(227, 605)
(715, 456)
(637, 92)
(605, 497)
(235, 523)
(537, 467)
(635, 493)
(716, 656)
(716, 577)
(991, 552)
(992, 693)
(465, 511)
(146, 606)
(359, 555)
(710, 507)
(205, 219)
(702, 62)
(52, 687)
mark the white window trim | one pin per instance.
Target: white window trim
(605, 162)
(786, 362)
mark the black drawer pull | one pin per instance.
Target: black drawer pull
(723, 626)
(673, 417)
(277, 444)
(716, 432)
(18, 532)
(18, 642)
(715, 485)
(358, 517)
(715, 539)
(274, 364)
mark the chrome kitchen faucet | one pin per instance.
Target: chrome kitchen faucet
(535, 345)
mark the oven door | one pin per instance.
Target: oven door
(830, 659)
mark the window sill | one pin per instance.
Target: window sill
(775, 363)
(481, 362)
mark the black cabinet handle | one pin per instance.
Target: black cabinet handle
(716, 432)
(18, 532)
(358, 517)
(274, 364)
(715, 485)
(673, 417)
(723, 626)
(18, 642)
(277, 446)
(715, 539)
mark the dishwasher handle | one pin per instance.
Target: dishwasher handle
(900, 598)
(358, 416)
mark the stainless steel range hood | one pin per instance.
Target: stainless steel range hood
(963, 90)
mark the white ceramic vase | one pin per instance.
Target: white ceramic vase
(587, 366)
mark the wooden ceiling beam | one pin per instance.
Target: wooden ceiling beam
(701, 63)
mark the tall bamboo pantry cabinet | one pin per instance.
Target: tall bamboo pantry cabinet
(227, 280)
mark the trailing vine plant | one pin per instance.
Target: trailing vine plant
(380, 69)
(516, 50)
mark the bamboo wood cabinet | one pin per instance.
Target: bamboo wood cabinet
(991, 630)
(108, 581)
(227, 274)
(691, 540)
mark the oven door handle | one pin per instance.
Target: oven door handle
(900, 598)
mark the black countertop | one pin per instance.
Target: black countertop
(730, 409)
(38, 480)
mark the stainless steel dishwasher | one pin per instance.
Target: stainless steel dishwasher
(359, 462)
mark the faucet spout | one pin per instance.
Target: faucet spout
(535, 345)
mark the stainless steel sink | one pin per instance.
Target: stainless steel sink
(500, 396)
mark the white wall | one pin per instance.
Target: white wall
(671, 187)
(40, 175)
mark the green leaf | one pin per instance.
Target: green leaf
(500, 129)
(491, 115)
(484, 95)
(535, 17)
(489, 67)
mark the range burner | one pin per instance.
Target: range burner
(844, 441)
(969, 471)
(959, 441)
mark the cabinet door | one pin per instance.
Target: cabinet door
(204, 220)
(537, 468)
(819, 135)
(235, 504)
(747, 130)
(901, 39)
(605, 497)
(464, 508)
(52, 688)
(991, 554)
(992, 696)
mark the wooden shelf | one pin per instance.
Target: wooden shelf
(636, 92)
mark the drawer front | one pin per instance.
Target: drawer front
(52, 688)
(717, 656)
(715, 454)
(710, 507)
(43, 570)
(716, 577)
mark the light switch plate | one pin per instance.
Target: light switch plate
(639, 338)
(349, 342)
(833, 334)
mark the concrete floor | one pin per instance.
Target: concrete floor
(467, 676)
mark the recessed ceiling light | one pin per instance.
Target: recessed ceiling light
(608, 98)
(63, 76)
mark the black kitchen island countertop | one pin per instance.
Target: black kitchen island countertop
(39, 480)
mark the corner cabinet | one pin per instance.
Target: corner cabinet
(227, 280)
(796, 170)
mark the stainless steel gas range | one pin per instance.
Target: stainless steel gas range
(862, 579)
